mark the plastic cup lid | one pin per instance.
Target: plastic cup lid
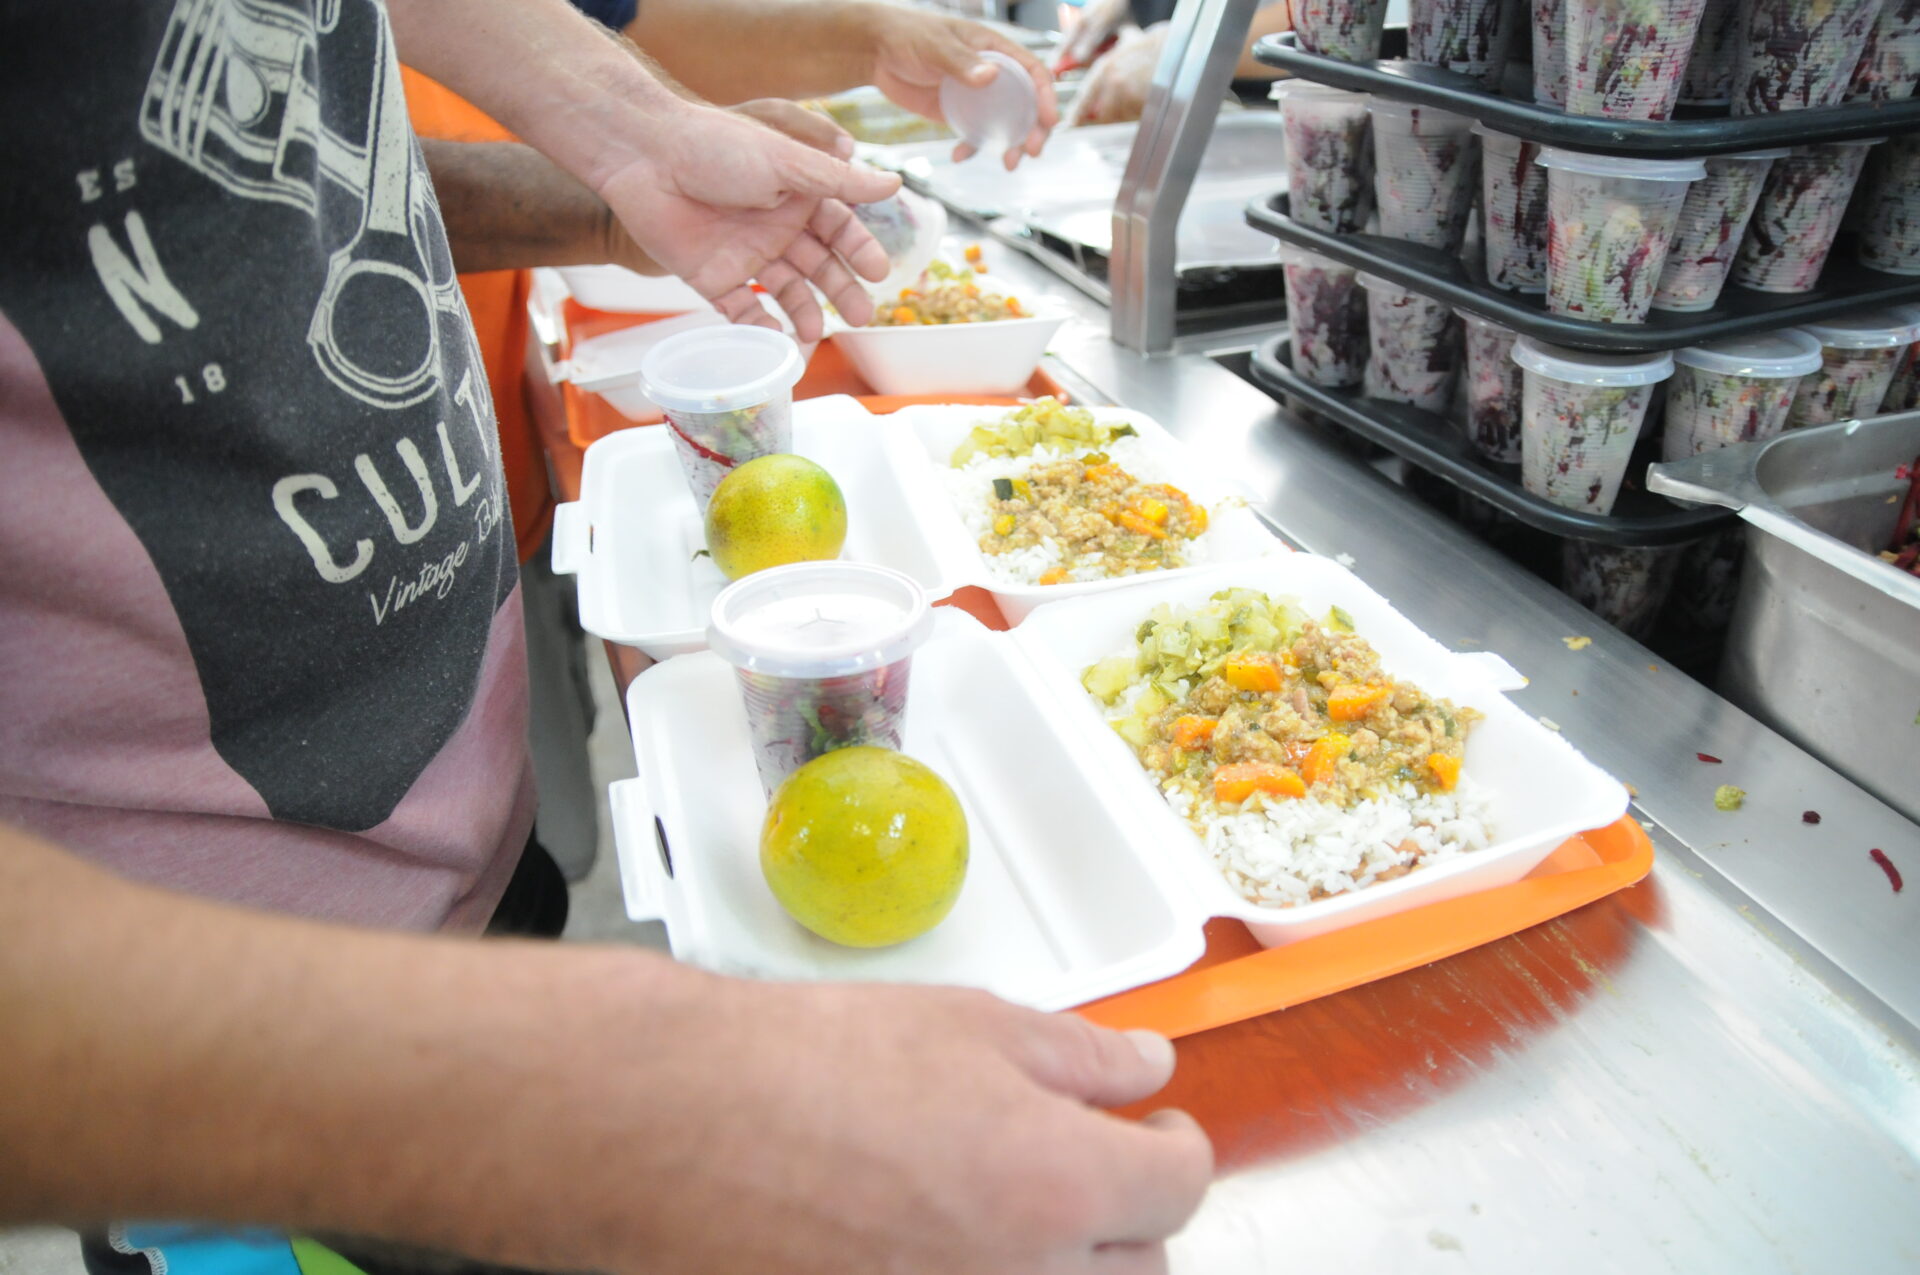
(1653, 170)
(720, 369)
(1789, 352)
(1427, 115)
(1584, 367)
(1864, 330)
(994, 116)
(1284, 89)
(819, 619)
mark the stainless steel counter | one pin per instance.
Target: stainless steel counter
(1720, 1073)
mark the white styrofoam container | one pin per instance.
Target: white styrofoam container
(1082, 882)
(619, 290)
(952, 358)
(1060, 904)
(609, 365)
(633, 536)
(922, 441)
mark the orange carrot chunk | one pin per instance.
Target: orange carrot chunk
(1192, 732)
(1241, 780)
(1350, 703)
(1248, 672)
(1054, 575)
(1446, 770)
(1327, 752)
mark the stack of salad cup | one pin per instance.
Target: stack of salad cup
(1799, 213)
(1859, 354)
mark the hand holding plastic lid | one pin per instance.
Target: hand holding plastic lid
(998, 113)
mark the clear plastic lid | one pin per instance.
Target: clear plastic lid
(721, 369)
(995, 116)
(908, 228)
(1284, 89)
(1424, 119)
(1585, 367)
(819, 619)
(1864, 329)
(1788, 352)
(1651, 170)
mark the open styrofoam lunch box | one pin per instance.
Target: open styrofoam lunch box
(634, 535)
(1082, 882)
(996, 357)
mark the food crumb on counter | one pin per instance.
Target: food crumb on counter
(1810, 816)
(1577, 643)
(1344, 559)
(1631, 790)
(1879, 856)
(1709, 758)
(1549, 723)
(1728, 797)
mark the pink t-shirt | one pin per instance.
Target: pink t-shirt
(259, 618)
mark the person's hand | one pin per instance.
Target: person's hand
(828, 1129)
(722, 200)
(914, 50)
(1100, 21)
(799, 123)
(1115, 90)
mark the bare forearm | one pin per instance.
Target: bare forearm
(508, 207)
(728, 51)
(170, 1058)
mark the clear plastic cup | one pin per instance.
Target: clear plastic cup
(1422, 173)
(1799, 214)
(1550, 52)
(1859, 353)
(1626, 58)
(1580, 415)
(822, 651)
(1903, 392)
(908, 228)
(1796, 54)
(1467, 36)
(1890, 207)
(1716, 56)
(997, 116)
(1513, 212)
(727, 393)
(1627, 586)
(1344, 29)
(1329, 185)
(1609, 222)
(1327, 311)
(1495, 386)
(1889, 68)
(1414, 345)
(1713, 220)
(1735, 391)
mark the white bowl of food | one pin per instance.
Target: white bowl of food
(951, 334)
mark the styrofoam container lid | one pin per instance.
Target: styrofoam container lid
(1864, 329)
(1789, 352)
(819, 619)
(994, 116)
(1284, 89)
(1653, 170)
(1583, 367)
(721, 369)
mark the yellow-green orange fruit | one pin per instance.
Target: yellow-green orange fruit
(866, 847)
(774, 510)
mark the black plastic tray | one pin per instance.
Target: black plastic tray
(1845, 285)
(1434, 444)
(1694, 133)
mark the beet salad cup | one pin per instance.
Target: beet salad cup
(1799, 214)
(1713, 221)
(1609, 223)
(1327, 312)
(1626, 59)
(1735, 391)
(1581, 414)
(1859, 354)
(727, 393)
(1329, 182)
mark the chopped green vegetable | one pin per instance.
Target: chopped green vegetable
(1727, 797)
(1045, 422)
(1003, 489)
(1339, 621)
(1106, 679)
(1176, 654)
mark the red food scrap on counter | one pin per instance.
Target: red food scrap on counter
(1709, 758)
(1810, 816)
(1886, 866)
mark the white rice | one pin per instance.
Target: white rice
(970, 487)
(1281, 852)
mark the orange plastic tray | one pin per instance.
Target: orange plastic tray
(590, 417)
(1238, 979)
